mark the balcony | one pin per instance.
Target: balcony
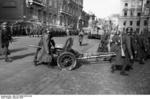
(147, 5)
(39, 3)
(65, 12)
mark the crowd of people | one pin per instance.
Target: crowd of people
(8, 30)
(130, 46)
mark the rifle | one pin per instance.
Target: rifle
(122, 51)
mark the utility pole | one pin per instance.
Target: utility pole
(148, 15)
(141, 16)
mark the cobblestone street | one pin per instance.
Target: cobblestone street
(22, 77)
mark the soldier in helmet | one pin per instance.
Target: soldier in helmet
(124, 55)
(6, 39)
(45, 45)
(81, 36)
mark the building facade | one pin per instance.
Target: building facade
(69, 13)
(24, 10)
(66, 13)
(11, 10)
(85, 19)
(133, 15)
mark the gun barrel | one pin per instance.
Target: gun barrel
(34, 46)
(98, 56)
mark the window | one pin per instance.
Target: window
(148, 2)
(131, 23)
(124, 23)
(124, 29)
(125, 13)
(138, 23)
(139, 14)
(137, 29)
(126, 4)
(131, 13)
(50, 2)
(145, 22)
(55, 4)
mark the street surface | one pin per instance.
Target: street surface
(22, 77)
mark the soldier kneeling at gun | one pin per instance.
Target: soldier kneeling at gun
(45, 45)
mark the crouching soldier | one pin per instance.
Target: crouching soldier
(43, 52)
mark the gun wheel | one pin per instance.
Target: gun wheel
(67, 61)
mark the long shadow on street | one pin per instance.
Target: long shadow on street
(18, 57)
(18, 50)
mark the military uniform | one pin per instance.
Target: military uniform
(134, 45)
(115, 47)
(140, 49)
(0, 42)
(123, 61)
(103, 43)
(42, 53)
(146, 45)
(127, 47)
(6, 38)
(81, 35)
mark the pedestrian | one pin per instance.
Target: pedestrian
(81, 36)
(6, 39)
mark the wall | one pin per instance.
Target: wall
(11, 9)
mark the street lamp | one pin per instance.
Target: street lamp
(29, 3)
(78, 23)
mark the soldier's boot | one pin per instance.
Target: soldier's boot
(123, 71)
(80, 43)
(8, 59)
(113, 68)
(141, 61)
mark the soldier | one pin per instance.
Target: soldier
(127, 48)
(134, 44)
(68, 32)
(6, 39)
(124, 56)
(0, 41)
(51, 43)
(45, 47)
(146, 45)
(81, 35)
(115, 47)
(140, 48)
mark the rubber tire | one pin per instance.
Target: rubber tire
(68, 54)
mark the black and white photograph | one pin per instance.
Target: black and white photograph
(74, 47)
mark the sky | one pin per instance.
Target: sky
(102, 8)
